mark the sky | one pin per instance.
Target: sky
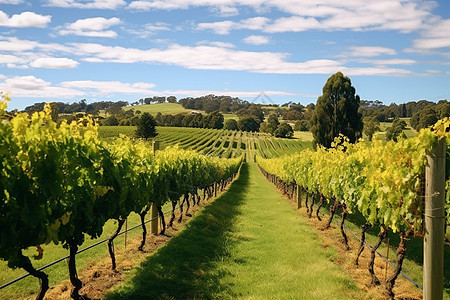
(266, 51)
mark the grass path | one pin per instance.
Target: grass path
(249, 244)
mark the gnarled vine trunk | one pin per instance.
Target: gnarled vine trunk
(111, 242)
(76, 282)
(381, 236)
(161, 217)
(312, 204)
(364, 228)
(332, 211)
(344, 215)
(318, 208)
(144, 229)
(25, 263)
(401, 251)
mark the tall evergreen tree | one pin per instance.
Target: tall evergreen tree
(336, 112)
(146, 126)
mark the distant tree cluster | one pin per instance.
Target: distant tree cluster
(210, 103)
(275, 128)
(197, 120)
(156, 99)
(430, 114)
(389, 113)
(77, 107)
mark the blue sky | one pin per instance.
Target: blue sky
(68, 50)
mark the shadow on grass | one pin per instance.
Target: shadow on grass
(185, 267)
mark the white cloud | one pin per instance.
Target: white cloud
(13, 44)
(88, 4)
(369, 51)
(54, 63)
(400, 15)
(293, 24)
(216, 44)
(216, 58)
(20, 54)
(109, 87)
(256, 40)
(385, 62)
(226, 11)
(224, 27)
(31, 86)
(9, 59)
(436, 36)
(93, 27)
(25, 19)
(149, 29)
(11, 1)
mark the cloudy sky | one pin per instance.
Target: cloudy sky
(67, 50)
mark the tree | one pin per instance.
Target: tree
(336, 112)
(284, 130)
(371, 125)
(272, 123)
(146, 126)
(213, 120)
(301, 125)
(424, 118)
(111, 121)
(248, 124)
(55, 111)
(293, 114)
(230, 124)
(253, 111)
(172, 99)
(396, 130)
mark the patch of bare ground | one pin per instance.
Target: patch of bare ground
(98, 277)
(332, 236)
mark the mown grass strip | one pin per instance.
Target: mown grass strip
(249, 243)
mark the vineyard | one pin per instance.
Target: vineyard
(216, 142)
(65, 185)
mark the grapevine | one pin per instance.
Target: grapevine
(60, 183)
(381, 180)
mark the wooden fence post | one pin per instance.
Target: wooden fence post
(154, 219)
(299, 196)
(433, 248)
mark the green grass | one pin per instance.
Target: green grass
(170, 109)
(164, 108)
(111, 132)
(249, 243)
(304, 136)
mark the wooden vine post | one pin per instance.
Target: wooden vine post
(299, 197)
(433, 248)
(153, 209)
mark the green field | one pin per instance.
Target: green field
(164, 108)
(170, 109)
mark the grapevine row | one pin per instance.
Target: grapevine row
(61, 183)
(383, 181)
